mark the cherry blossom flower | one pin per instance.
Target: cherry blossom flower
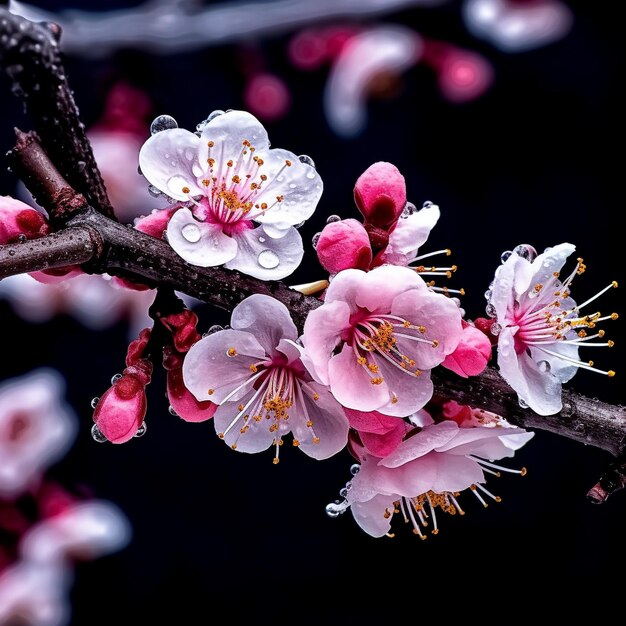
(427, 471)
(377, 335)
(244, 199)
(36, 428)
(540, 328)
(254, 372)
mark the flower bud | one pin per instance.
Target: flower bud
(472, 354)
(343, 245)
(380, 194)
(17, 218)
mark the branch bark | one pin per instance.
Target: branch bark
(30, 55)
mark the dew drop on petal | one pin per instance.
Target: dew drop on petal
(333, 218)
(197, 170)
(526, 251)
(305, 158)
(427, 204)
(495, 329)
(214, 329)
(488, 294)
(141, 431)
(176, 184)
(94, 402)
(490, 310)
(154, 191)
(261, 239)
(315, 239)
(191, 233)
(214, 114)
(115, 378)
(505, 255)
(97, 435)
(268, 259)
(522, 403)
(189, 155)
(336, 508)
(408, 210)
(162, 122)
(355, 469)
(310, 175)
(543, 366)
(172, 411)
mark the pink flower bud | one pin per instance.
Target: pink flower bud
(380, 194)
(17, 218)
(183, 402)
(472, 354)
(183, 328)
(379, 434)
(121, 409)
(344, 245)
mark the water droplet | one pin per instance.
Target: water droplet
(191, 233)
(490, 310)
(355, 469)
(336, 508)
(333, 218)
(197, 170)
(115, 378)
(427, 204)
(214, 114)
(343, 492)
(522, 403)
(261, 239)
(408, 210)
(292, 185)
(94, 402)
(526, 251)
(311, 175)
(268, 259)
(304, 158)
(301, 224)
(315, 239)
(488, 294)
(141, 431)
(189, 155)
(543, 366)
(495, 329)
(505, 255)
(21, 238)
(97, 435)
(154, 191)
(11, 252)
(214, 329)
(162, 122)
(172, 411)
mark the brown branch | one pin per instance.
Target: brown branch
(30, 55)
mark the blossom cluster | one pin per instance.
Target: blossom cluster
(356, 375)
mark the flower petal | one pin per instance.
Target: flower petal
(266, 319)
(370, 515)
(351, 386)
(265, 258)
(297, 184)
(169, 161)
(322, 333)
(412, 232)
(383, 284)
(208, 366)
(422, 443)
(329, 423)
(200, 243)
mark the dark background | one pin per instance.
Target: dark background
(537, 159)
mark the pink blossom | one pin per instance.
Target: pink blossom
(244, 199)
(376, 337)
(540, 328)
(254, 372)
(377, 433)
(380, 194)
(426, 471)
(36, 428)
(20, 220)
(472, 354)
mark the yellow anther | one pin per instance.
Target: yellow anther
(275, 460)
(614, 284)
(231, 352)
(220, 435)
(186, 190)
(253, 368)
(288, 163)
(316, 439)
(610, 373)
(211, 392)
(296, 443)
(210, 144)
(611, 343)
(523, 471)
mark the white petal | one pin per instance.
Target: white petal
(263, 257)
(228, 132)
(299, 186)
(200, 243)
(412, 232)
(167, 160)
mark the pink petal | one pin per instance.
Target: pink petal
(184, 403)
(211, 374)
(383, 284)
(471, 355)
(370, 515)
(17, 218)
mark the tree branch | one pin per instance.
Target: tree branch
(30, 55)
